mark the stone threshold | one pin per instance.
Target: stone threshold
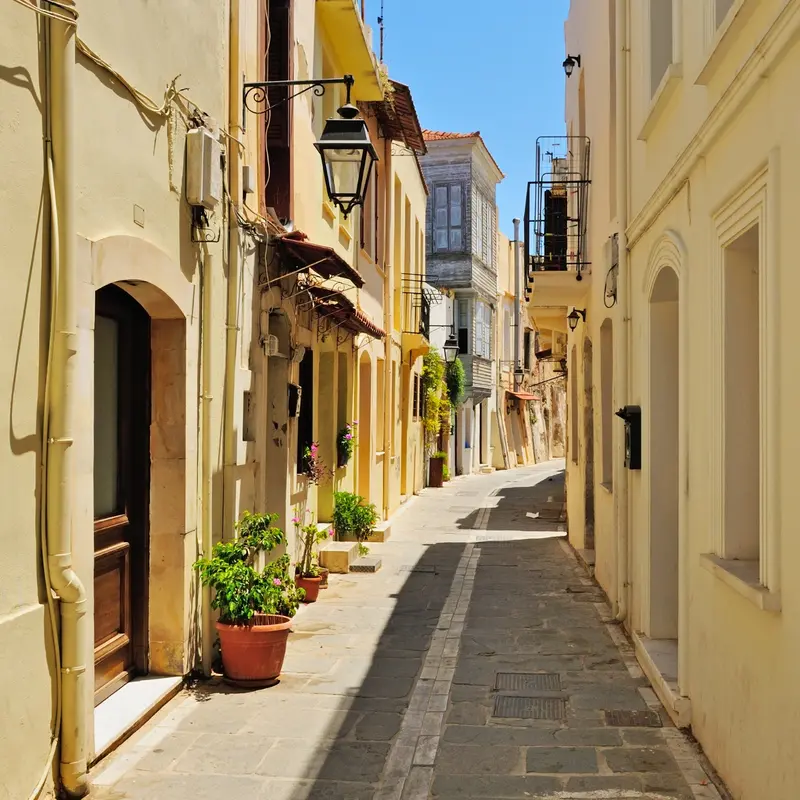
(125, 711)
(665, 686)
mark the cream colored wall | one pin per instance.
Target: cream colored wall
(25, 634)
(122, 160)
(737, 661)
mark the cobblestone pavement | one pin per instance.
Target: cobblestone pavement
(478, 663)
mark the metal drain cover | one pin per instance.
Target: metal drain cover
(633, 719)
(511, 707)
(528, 682)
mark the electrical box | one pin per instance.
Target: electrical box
(203, 169)
(632, 417)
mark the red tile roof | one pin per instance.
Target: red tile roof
(440, 136)
(437, 136)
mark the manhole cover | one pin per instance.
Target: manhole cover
(510, 707)
(633, 719)
(527, 682)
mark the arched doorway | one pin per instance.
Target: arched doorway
(365, 425)
(588, 438)
(662, 460)
(122, 416)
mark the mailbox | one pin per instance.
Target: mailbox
(295, 399)
(632, 417)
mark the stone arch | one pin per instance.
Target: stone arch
(668, 251)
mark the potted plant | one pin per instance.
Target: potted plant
(308, 575)
(436, 469)
(353, 518)
(345, 443)
(314, 467)
(255, 603)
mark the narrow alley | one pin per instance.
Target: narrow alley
(477, 663)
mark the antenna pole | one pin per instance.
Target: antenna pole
(380, 22)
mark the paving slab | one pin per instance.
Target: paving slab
(390, 681)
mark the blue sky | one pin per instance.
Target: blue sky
(499, 73)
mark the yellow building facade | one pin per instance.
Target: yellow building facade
(687, 320)
(153, 335)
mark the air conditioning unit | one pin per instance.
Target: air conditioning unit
(203, 169)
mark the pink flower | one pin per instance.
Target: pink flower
(355, 422)
(276, 582)
(348, 436)
(296, 520)
(330, 532)
(314, 448)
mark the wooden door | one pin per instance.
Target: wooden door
(121, 489)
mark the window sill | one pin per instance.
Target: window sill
(367, 257)
(328, 211)
(742, 577)
(723, 38)
(608, 486)
(344, 233)
(669, 83)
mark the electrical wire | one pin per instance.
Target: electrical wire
(72, 19)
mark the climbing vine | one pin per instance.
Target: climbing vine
(435, 397)
(456, 380)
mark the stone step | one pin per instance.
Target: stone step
(366, 564)
(338, 556)
(381, 533)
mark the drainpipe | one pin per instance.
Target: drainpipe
(59, 455)
(517, 313)
(388, 305)
(623, 338)
(234, 269)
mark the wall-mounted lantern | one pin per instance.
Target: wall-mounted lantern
(450, 349)
(569, 64)
(574, 316)
(347, 153)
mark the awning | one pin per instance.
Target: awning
(398, 118)
(525, 395)
(324, 260)
(335, 305)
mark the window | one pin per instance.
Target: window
(277, 172)
(607, 400)
(526, 351)
(415, 403)
(305, 422)
(369, 217)
(463, 326)
(721, 9)
(484, 221)
(448, 217)
(741, 390)
(661, 35)
(483, 330)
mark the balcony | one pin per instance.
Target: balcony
(556, 214)
(415, 314)
(478, 377)
(351, 41)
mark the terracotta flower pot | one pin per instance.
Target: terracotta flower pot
(436, 471)
(252, 655)
(323, 577)
(311, 585)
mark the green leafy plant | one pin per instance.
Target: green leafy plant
(440, 454)
(433, 391)
(308, 536)
(352, 515)
(445, 473)
(346, 442)
(240, 590)
(363, 550)
(456, 382)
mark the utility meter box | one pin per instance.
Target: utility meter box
(203, 169)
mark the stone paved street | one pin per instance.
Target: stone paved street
(475, 664)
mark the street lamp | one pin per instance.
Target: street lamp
(569, 64)
(450, 349)
(573, 318)
(347, 153)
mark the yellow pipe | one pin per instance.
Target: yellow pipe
(232, 316)
(60, 454)
(388, 305)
